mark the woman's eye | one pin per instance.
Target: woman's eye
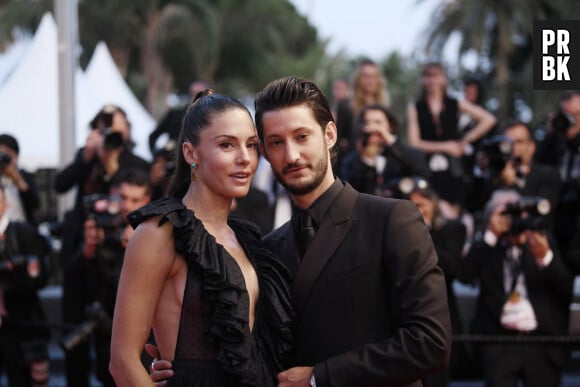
(226, 145)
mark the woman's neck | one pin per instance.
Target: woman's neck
(208, 207)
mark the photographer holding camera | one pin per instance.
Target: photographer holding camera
(525, 289)
(106, 234)
(380, 156)
(19, 186)
(507, 162)
(23, 271)
(107, 154)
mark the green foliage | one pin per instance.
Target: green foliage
(20, 14)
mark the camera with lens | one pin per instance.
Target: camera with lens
(105, 210)
(112, 139)
(560, 122)
(493, 155)
(5, 159)
(103, 122)
(528, 213)
(97, 318)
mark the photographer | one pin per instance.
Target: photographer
(23, 271)
(19, 186)
(107, 154)
(98, 264)
(380, 157)
(561, 148)
(524, 289)
(513, 167)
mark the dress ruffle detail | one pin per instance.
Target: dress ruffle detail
(252, 358)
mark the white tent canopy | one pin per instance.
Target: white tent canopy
(106, 81)
(29, 100)
(12, 56)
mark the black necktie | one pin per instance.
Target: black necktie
(306, 231)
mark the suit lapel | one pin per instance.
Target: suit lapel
(329, 236)
(285, 247)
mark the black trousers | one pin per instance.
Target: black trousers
(533, 364)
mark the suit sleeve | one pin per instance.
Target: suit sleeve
(421, 339)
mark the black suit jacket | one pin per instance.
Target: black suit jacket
(369, 297)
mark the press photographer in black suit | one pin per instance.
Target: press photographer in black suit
(524, 290)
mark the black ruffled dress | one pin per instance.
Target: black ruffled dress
(215, 346)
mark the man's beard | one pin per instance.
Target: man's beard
(319, 170)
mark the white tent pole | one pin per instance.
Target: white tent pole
(67, 25)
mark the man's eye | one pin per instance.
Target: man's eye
(275, 143)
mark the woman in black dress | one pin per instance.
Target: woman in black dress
(432, 127)
(217, 301)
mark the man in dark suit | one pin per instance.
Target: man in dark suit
(525, 289)
(369, 297)
(370, 300)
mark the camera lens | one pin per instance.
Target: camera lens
(113, 140)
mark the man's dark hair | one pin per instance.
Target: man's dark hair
(392, 120)
(292, 91)
(10, 142)
(134, 177)
(513, 122)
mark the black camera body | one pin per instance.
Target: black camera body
(5, 160)
(528, 213)
(112, 139)
(105, 211)
(495, 152)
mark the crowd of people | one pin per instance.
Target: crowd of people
(365, 296)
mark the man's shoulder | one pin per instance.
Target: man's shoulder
(277, 234)
(379, 202)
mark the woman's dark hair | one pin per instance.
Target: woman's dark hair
(292, 91)
(393, 122)
(198, 116)
(472, 81)
(427, 67)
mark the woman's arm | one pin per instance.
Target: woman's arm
(148, 263)
(485, 120)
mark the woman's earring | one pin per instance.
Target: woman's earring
(193, 171)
